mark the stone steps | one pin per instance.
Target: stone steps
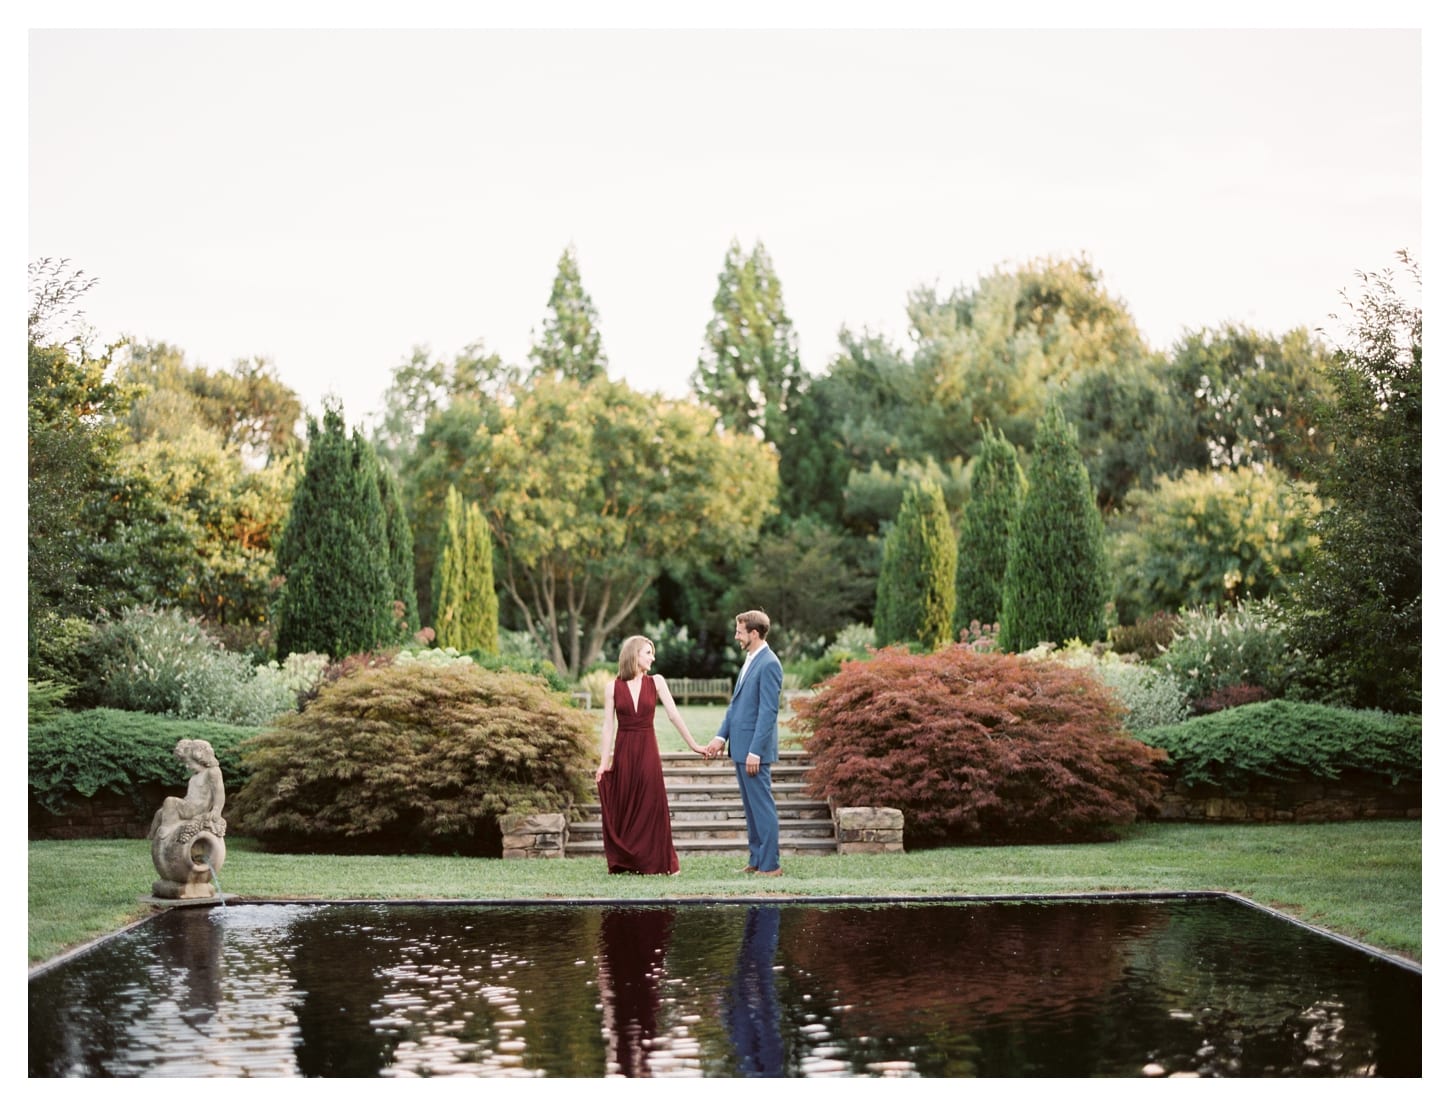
(706, 815)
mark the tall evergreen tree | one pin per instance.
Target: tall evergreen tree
(465, 603)
(337, 594)
(400, 549)
(916, 592)
(995, 498)
(1056, 584)
(570, 347)
(750, 370)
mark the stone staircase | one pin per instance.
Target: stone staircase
(706, 815)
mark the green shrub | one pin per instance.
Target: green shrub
(981, 746)
(45, 698)
(120, 751)
(1150, 695)
(1248, 644)
(58, 649)
(414, 757)
(162, 662)
(1281, 740)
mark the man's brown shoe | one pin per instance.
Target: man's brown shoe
(772, 872)
(750, 868)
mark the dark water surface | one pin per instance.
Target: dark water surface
(1035, 988)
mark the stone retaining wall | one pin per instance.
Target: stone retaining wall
(104, 814)
(1353, 796)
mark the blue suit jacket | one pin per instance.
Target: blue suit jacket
(749, 725)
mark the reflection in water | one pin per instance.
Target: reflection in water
(751, 1008)
(1001, 989)
(632, 947)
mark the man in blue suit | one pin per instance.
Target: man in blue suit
(748, 732)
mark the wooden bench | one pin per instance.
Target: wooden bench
(684, 690)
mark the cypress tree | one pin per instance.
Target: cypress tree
(995, 497)
(465, 603)
(1056, 585)
(337, 595)
(916, 592)
(400, 551)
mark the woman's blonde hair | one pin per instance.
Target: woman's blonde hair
(629, 656)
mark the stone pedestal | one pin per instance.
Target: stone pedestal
(867, 829)
(534, 836)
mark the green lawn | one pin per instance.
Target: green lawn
(1359, 879)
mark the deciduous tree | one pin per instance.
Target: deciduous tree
(591, 490)
(1357, 606)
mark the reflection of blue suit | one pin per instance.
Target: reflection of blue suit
(752, 1012)
(749, 726)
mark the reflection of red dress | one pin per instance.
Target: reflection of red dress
(634, 808)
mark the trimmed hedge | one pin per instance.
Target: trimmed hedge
(121, 751)
(1281, 740)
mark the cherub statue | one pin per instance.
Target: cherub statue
(187, 834)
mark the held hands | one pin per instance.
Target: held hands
(714, 749)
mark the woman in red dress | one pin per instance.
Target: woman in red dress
(635, 809)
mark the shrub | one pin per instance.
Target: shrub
(1280, 740)
(596, 682)
(1147, 637)
(45, 699)
(1248, 644)
(1225, 698)
(984, 746)
(414, 757)
(161, 662)
(84, 752)
(58, 649)
(1150, 696)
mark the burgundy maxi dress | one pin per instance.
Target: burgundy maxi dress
(635, 809)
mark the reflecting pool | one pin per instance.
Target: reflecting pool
(1207, 986)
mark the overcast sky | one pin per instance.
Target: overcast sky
(330, 199)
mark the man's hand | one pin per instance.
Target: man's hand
(715, 748)
(752, 764)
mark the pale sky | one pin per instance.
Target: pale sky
(332, 198)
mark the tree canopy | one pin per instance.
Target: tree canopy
(590, 491)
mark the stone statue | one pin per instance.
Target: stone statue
(188, 835)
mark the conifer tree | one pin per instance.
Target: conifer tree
(749, 370)
(465, 604)
(337, 594)
(1056, 584)
(916, 592)
(995, 497)
(570, 347)
(400, 550)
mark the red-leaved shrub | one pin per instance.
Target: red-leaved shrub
(978, 746)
